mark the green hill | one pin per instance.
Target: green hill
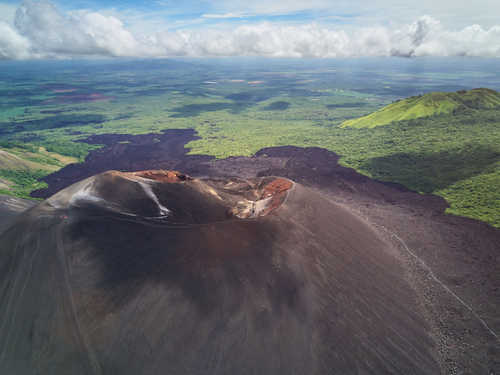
(21, 165)
(9, 160)
(427, 105)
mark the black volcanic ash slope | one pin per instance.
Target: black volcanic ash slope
(158, 273)
(10, 207)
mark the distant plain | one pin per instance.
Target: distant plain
(239, 106)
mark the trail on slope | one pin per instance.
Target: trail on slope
(443, 285)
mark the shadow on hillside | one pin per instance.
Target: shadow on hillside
(429, 172)
(277, 106)
(51, 122)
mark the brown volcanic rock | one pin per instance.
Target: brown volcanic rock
(127, 274)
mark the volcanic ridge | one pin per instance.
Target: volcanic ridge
(321, 270)
(158, 272)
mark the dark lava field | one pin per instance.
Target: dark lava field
(236, 271)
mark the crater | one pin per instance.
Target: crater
(175, 197)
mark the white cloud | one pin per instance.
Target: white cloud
(83, 33)
(13, 45)
(41, 30)
(425, 37)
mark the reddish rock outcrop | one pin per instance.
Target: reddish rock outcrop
(277, 190)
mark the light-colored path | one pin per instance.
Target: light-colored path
(443, 285)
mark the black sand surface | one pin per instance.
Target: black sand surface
(451, 265)
(10, 208)
(96, 281)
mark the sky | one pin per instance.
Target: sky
(43, 29)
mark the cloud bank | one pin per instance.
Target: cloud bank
(40, 30)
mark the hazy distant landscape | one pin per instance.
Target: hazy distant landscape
(239, 106)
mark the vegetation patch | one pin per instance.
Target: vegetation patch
(23, 182)
(429, 172)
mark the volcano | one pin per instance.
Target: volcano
(156, 272)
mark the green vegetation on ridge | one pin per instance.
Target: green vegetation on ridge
(432, 104)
